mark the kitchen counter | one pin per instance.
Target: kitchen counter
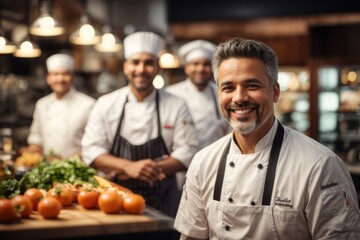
(76, 222)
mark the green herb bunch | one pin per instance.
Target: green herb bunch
(71, 170)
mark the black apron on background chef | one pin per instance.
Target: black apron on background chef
(164, 195)
(139, 135)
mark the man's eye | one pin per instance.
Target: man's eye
(227, 88)
(252, 86)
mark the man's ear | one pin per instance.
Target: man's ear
(276, 92)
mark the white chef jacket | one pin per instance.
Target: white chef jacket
(140, 124)
(202, 108)
(313, 195)
(58, 124)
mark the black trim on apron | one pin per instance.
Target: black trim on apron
(270, 174)
(164, 195)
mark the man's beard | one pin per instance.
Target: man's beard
(244, 127)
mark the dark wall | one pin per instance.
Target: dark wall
(202, 10)
(340, 41)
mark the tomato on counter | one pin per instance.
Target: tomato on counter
(49, 207)
(88, 198)
(110, 202)
(35, 195)
(134, 204)
(7, 211)
(63, 194)
(23, 205)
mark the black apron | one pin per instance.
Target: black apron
(270, 174)
(164, 195)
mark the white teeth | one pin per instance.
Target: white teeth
(242, 111)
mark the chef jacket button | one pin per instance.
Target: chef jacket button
(260, 166)
(232, 164)
(227, 227)
(230, 199)
(252, 203)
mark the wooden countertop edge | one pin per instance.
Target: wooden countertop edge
(88, 223)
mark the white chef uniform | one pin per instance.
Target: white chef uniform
(313, 195)
(177, 130)
(203, 106)
(59, 124)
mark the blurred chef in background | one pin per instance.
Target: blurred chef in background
(199, 92)
(139, 135)
(59, 118)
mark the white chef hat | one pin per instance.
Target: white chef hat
(60, 60)
(196, 49)
(143, 42)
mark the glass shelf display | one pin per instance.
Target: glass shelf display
(292, 108)
(339, 107)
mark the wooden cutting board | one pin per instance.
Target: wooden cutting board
(75, 221)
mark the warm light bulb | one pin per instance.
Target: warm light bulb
(47, 22)
(2, 42)
(108, 39)
(87, 31)
(168, 60)
(26, 47)
(158, 82)
(27, 50)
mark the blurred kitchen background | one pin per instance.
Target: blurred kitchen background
(317, 43)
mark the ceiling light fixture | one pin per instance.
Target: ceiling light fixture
(27, 49)
(46, 25)
(6, 47)
(109, 42)
(168, 58)
(86, 34)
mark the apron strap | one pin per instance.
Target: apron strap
(119, 125)
(158, 113)
(270, 174)
(220, 173)
(274, 156)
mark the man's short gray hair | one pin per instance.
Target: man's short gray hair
(247, 48)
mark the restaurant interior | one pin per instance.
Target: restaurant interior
(317, 43)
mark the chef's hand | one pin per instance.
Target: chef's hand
(146, 170)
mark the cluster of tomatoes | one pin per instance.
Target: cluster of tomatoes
(49, 204)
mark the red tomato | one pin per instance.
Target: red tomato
(134, 204)
(23, 205)
(88, 198)
(7, 211)
(110, 202)
(63, 194)
(35, 196)
(49, 207)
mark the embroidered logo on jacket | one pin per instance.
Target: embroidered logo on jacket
(330, 184)
(283, 202)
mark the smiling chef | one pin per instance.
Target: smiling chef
(139, 135)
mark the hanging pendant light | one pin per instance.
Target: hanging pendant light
(27, 49)
(46, 25)
(6, 47)
(109, 42)
(86, 34)
(168, 58)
